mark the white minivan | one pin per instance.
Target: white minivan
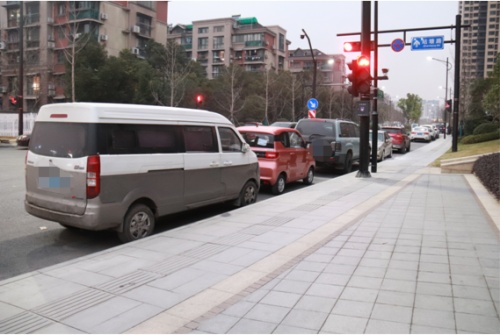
(101, 166)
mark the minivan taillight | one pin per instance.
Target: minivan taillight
(93, 176)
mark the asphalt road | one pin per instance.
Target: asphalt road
(28, 243)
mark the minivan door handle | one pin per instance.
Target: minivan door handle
(214, 164)
(227, 163)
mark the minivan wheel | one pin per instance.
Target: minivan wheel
(279, 186)
(138, 223)
(248, 194)
(348, 163)
(310, 177)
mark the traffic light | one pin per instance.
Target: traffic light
(352, 46)
(360, 76)
(16, 101)
(199, 100)
(364, 78)
(447, 106)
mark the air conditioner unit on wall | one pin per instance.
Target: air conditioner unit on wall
(3, 89)
(51, 45)
(136, 29)
(2, 46)
(50, 20)
(104, 16)
(135, 51)
(104, 37)
(52, 87)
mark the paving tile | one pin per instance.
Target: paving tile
(346, 260)
(468, 280)
(442, 303)
(405, 265)
(305, 319)
(58, 328)
(401, 274)
(472, 323)
(386, 327)
(300, 275)
(282, 299)
(407, 286)
(434, 267)
(392, 313)
(246, 326)
(396, 298)
(292, 286)
(474, 306)
(219, 324)
(324, 290)
(359, 294)
(434, 251)
(433, 318)
(333, 279)
(267, 313)
(342, 324)
(239, 309)
(155, 296)
(370, 271)
(471, 292)
(315, 304)
(284, 329)
(418, 329)
(311, 266)
(365, 282)
(434, 289)
(352, 308)
(441, 259)
(257, 295)
(433, 277)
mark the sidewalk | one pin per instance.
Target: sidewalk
(408, 250)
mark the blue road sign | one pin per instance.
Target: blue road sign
(427, 43)
(398, 45)
(312, 103)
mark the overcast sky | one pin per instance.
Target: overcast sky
(409, 71)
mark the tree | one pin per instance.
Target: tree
(491, 100)
(411, 107)
(229, 93)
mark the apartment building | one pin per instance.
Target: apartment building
(220, 42)
(49, 27)
(480, 42)
(330, 68)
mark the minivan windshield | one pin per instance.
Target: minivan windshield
(57, 139)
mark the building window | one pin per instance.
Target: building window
(147, 4)
(33, 37)
(60, 56)
(218, 56)
(203, 43)
(218, 29)
(32, 57)
(281, 42)
(144, 22)
(203, 30)
(61, 9)
(32, 15)
(219, 42)
(13, 16)
(33, 86)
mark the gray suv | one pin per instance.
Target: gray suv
(334, 142)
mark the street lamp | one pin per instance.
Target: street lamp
(314, 62)
(448, 68)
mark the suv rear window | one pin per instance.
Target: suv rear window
(316, 128)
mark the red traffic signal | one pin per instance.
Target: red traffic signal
(199, 99)
(352, 46)
(447, 106)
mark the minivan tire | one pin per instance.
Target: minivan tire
(279, 186)
(248, 194)
(139, 222)
(310, 177)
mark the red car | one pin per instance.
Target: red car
(283, 155)
(400, 139)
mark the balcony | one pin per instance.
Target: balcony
(254, 59)
(187, 46)
(84, 14)
(255, 44)
(31, 19)
(218, 46)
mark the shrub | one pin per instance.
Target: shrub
(481, 138)
(485, 128)
(486, 170)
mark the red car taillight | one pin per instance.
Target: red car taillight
(271, 155)
(93, 176)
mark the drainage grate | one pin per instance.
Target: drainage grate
(75, 303)
(205, 251)
(171, 265)
(128, 282)
(23, 323)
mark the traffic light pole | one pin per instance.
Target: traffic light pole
(364, 119)
(20, 120)
(375, 95)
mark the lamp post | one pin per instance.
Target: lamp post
(314, 62)
(448, 68)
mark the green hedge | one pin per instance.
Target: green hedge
(481, 138)
(485, 128)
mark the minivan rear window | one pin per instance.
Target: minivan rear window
(259, 140)
(56, 139)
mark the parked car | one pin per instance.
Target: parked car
(432, 131)
(285, 124)
(384, 145)
(421, 134)
(23, 140)
(400, 139)
(283, 155)
(334, 142)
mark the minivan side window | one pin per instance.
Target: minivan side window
(200, 139)
(230, 142)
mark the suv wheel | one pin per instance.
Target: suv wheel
(279, 186)
(409, 147)
(403, 149)
(348, 163)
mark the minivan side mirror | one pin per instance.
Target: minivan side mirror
(245, 147)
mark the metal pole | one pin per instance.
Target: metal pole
(375, 97)
(458, 37)
(364, 120)
(20, 129)
(446, 98)
(315, 65)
